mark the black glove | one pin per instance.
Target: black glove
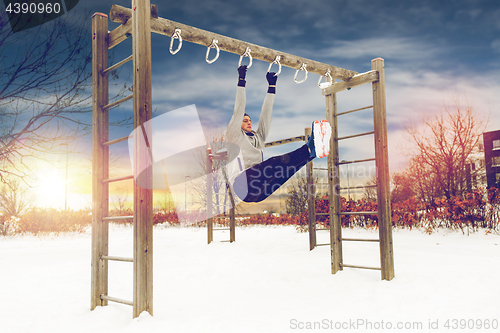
(271, 79)
(242, 72)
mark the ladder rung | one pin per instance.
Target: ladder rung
(125, 138)
(356, 161)
(226, 241)
(355, 110)
(355, 135)
(324, 169)
(360, 240)
(362, 267)
(117, 258)
(359, 213)
(116, 300)
(115, 66)
(110, 180)
(322, 244)
(356, 187)
(118, 218)
(322, 213)
(124, 99)
(219, 229)
(323, 229)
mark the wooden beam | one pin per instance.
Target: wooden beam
(119, 34)
(100, 160)
(355, 81)
(311, 198)
(334, 183)
(166, 27)
(143, 193)
(383, 178)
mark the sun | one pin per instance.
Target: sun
(50, 190)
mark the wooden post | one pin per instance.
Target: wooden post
(143, 194)
(334, 185)
(382, 165)
(210, 225)
(232, 224)
(100, 160)
(311, 198)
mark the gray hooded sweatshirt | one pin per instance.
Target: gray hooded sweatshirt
(251, 147)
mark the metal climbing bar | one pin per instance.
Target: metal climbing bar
(191, 34)
(355, 110)
(284, 141)
(355, 135)
(112, 142)
(117, 300)
(118, 102)
(362, 267)
(117, 179)
(118, 64)
(356, 161)
(113, 258)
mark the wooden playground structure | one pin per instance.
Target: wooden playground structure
(138, 23)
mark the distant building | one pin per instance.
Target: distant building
(492, 157)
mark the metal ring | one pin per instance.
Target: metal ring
(326, 84)
(213, 46)
(246, 54)
(277, 62)
(302, 68)
(176, 35)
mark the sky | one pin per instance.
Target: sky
(434, 52)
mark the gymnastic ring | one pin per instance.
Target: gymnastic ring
(302, 68)
(213, 46)
(276, 61)
(176, 35)
(246, 54)
(328, 83)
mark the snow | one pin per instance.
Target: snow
(267, 281)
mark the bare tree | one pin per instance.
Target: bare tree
(44, 89)
(443, 147)
(14, 200)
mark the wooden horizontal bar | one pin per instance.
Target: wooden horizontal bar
(323, 229)
(322, 244)
(356, 161)
(118, 64)
(219, 229)
(117, 300)
(119, 34)
(362, 267)
(124, 99)
(117, 258)
(355, 135)
(285, 141)
(358, 213)
(118, 218)
(166, 27)
(125, 138)
(354, 81)
(322, 213)
(323, 169)
(360, 240)
(226, 241)
(124, 31)
(111, 180)
(355, 110)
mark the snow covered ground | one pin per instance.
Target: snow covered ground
(267, 281)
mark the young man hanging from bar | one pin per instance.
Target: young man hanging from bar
(252, 178)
